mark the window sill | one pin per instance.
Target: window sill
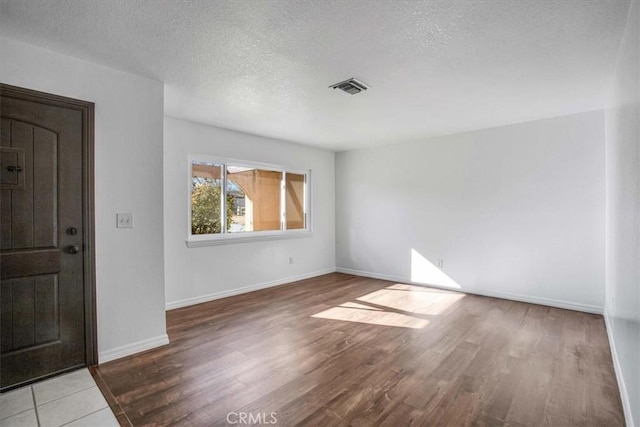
(231, 239)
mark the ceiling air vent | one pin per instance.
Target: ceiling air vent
(351, 86)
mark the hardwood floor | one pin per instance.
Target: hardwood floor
(347, 350)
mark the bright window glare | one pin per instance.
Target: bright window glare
(238, 169)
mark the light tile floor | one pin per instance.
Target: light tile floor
(68, 400)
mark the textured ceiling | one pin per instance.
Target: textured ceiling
(264, 67)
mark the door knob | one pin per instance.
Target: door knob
(73, 249)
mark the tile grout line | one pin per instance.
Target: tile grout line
(13, 415)
(67, 395)
(85, 416)
(35, 405)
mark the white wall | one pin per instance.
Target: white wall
(128, 178)
(199, 274)
(515, 211)
(623, 218)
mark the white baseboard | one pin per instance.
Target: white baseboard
(624, 396)
(136, 347)
(245, 289)
(515, 297)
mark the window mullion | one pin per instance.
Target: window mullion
(223, 201)
(283, 201)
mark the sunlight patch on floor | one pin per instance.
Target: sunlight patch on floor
(361, 306)
(354, 312)
(399, 304)
(424, 301)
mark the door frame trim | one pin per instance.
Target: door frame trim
(88, 210)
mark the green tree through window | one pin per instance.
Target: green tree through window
(205, 207)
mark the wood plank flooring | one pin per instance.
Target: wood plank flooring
(346, 350)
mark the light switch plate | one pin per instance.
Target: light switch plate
(124, 220)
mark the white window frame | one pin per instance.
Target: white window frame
(224, 238)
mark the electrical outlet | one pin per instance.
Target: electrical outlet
(124, 220)
(290, 260)
(440, 263)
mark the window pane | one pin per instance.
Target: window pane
(255, 195)
(206, 191)
(295, 201)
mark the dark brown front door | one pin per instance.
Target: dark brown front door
(46, 317)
